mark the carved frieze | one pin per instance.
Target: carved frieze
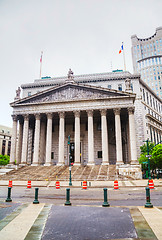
(71, 93)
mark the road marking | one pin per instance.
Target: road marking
(154, 218)
(20, 226)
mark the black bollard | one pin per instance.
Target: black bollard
(148, 203)
(9, 195)
(36, 196)
(105, 203)
(67, 203)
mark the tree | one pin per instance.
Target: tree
(4, 159)
(155, 160)
(157, 155)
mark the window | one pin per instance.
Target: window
(52, 155)
(120, 87)
(109, 86)
(99, 153)
(143, 94)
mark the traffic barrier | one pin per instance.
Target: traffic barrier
(151, 184)
(84, 185)
(67, 203)
(10, 184)
(116, 186)
(36, 196)
(57, 185)
(148, 203)
(9, 195)
(29, 184)
(105, 203)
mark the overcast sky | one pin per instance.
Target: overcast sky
(84, 35)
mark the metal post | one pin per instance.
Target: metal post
(36, 196)
(9, 195)
(147, 141)
(70, 182)
(105, 203)
(67, 203)
(148, 203)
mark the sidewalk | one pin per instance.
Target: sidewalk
(109, 184)
(47, 221)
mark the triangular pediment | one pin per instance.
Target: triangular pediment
(72, 91)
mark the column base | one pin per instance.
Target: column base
(22, 164)
(105, 163)
(90, 164)
(134, 162)
(34, 164)
(60, 164)
(77, 164)
(47, 164)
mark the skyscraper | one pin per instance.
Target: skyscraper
(147, 59)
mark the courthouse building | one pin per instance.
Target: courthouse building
(106, 115)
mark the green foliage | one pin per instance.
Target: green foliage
(155, 160)
(4, 159)
(157, 155)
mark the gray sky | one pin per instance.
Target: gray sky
(84, 35)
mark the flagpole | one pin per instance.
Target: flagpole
(41, 65)
(124, 58)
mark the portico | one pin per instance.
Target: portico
(99, 121)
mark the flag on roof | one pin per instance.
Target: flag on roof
(121, 49)
(41, 57)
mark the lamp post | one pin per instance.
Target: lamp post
(70, 182)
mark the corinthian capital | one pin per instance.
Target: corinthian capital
(90, 113)
(117, 111)
(131, 110)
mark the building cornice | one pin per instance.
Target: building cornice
(84, 78)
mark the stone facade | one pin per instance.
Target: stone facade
(106, 126)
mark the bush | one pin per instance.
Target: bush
(4, 159)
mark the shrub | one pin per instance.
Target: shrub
(4, 159)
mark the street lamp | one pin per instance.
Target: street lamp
(70, 182)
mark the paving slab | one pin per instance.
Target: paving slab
(153, 217)
(78, 223)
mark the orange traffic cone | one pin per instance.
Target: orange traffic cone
(57, 185)
(29, 184)
(84, 185)
(151, 184)
(10, 184)
(116, 184)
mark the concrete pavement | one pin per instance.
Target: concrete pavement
(109, 184)
(46, 222)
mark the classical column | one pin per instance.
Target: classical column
(90, 138)
(77, 137)
(104, 135)
(132, 136)
(119, 152)
(19, 145)
(13, 140)
(48, 140)
(25, 140)
(61, 138)
(36, 140)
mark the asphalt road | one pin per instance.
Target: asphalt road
(92, 196)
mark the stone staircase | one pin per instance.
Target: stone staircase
(61, 173)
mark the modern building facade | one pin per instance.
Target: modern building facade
(147, 59)
(106, 115)
(5, 140)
